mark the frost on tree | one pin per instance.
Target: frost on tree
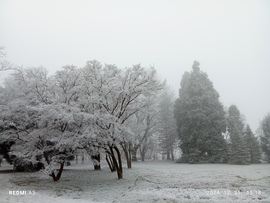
(200, 119)
(143, 126)
(116, 96)
(86, 109)
(4, 65)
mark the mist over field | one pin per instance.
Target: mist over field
(116, 101)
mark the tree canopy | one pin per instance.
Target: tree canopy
(76, 108)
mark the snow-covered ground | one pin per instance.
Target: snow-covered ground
(151, 181)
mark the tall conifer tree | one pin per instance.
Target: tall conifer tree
(200, 118)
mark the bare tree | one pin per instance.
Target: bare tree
(4, 65)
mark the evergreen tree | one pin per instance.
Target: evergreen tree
(238, 150)
(253, 146)
(200, 118)
(265, 136)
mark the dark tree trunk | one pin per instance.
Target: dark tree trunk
(96, 159)
(127, 150)
(76, 157)
(110, 162)
(117, 161)
(59, 173)
(120, 171)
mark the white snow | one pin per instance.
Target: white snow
(150, 181)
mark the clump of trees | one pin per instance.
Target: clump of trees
(209, 134)
(89, 109)
(243, 146)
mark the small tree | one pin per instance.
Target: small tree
(252, 145)
(265, 136)
(36, 121)
(238, 150)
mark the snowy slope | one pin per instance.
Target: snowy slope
(145, 182)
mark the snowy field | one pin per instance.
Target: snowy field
(151, 181)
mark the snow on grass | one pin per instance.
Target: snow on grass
(150, 181)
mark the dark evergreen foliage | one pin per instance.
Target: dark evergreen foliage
(200, 119)
(5, 149)
(265, 136)
(238, 150)
(253, 146)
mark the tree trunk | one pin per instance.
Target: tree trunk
(82, 158)
(163, 156)
(76, 159)
(134, 152)
(96, 160)
(47, 158)
(128, 157)
(172, 154)
(59, 173)
(143, 152)
(117, 163)
(120, 171)
(110, 162)
(126, 147)
(143, 156)
(168, 155)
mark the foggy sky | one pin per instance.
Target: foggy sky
(229, 38)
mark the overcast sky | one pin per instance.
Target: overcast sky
(231, 40)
